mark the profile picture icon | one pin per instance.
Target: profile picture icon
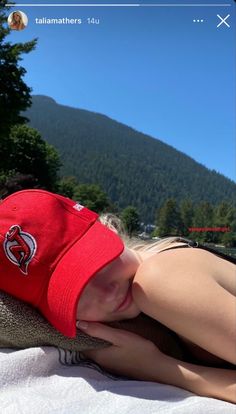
(17, 20)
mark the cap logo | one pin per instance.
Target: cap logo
(20, 247)
(78, 207)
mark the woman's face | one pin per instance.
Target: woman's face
(108, 295)
(17, 17)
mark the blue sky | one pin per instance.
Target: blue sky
(151, 68)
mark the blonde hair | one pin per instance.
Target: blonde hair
(20, 25)
(114, 223)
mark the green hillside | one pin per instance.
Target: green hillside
(131, 167)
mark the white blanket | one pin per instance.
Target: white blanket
(49, 380)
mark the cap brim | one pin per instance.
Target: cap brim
(96, 248)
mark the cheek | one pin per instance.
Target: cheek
(88, 315)
(87, 308)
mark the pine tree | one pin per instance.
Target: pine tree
(131, 220)
(14, 93)
(25, 157)
(228, 238)
(204, 219)
(67, 186)
(169, 220)
(32, 155)
(187, 213)
(223, 214)
(92, 197)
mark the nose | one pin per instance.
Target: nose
(107, 292)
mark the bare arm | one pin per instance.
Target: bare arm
(139, 358)
(204, 381)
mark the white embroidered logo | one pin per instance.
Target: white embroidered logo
(78, 207)
(20, 247)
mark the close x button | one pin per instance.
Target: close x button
(223, 20)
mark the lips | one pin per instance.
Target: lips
(126, 301)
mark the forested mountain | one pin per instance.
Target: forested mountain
(131, 167)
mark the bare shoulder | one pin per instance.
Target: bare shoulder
(171, 263)
(179, 288)
(179, 267)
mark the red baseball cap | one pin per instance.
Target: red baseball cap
(50, 247)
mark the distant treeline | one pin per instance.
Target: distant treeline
(131, 168)
(202, 222)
